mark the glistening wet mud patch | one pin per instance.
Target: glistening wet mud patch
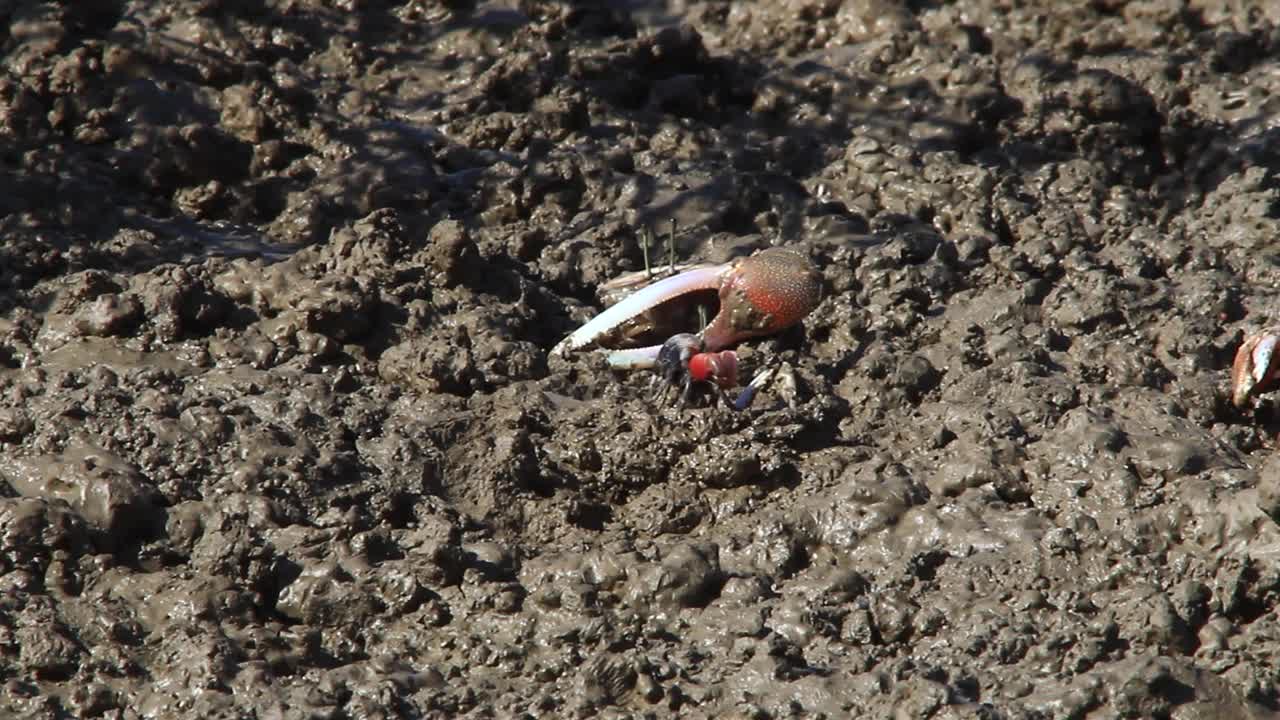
(280, 432)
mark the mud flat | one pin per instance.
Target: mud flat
(280, 435)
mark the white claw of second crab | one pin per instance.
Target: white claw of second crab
(1256, 369)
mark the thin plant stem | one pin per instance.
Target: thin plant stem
(646, 239)
(671, 248)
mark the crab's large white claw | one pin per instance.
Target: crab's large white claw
(701, 278)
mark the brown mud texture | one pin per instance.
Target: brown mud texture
(281, 434)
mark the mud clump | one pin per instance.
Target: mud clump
(280, 434)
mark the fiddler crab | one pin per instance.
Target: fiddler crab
(761, 294)
(1256, 369)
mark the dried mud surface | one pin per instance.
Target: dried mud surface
(280, 435)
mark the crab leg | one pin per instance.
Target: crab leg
(703, 278)
(759, 382)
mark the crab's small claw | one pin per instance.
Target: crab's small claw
(1256, 369)
(642, 358)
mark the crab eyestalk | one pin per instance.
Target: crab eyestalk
(1256, 369)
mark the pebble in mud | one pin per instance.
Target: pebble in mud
(47, 650)
(14, 425)
(687, 576)
(101, 486)
(34, 530)
(108, 315)
(452, 254)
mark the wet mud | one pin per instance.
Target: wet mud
(281, 434)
